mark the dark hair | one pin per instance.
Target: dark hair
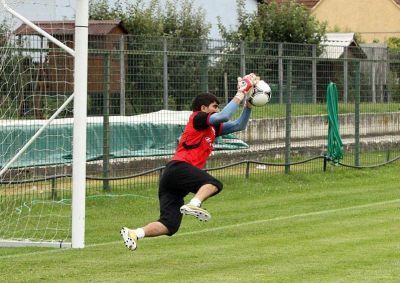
(203, 99)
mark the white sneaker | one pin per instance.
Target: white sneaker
(129, 237)
(198, 212)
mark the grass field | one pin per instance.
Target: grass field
(339, 226)
(279, 110)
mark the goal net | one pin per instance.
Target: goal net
(36, 148)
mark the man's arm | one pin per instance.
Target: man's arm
(238, 124)
(226, 113)
(245, 85)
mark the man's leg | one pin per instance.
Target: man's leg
(205, 192)
(131, 236)
(194, 206)
(155, 229)
(170, 217)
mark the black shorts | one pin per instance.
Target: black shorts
(177, 181)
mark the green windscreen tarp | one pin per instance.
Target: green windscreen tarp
(152, 134)
(335, 144)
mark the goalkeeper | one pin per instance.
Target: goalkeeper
(184, 174)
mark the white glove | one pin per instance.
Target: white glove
(246, 84)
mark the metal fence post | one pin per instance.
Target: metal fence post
(288, 117)
(165, 73)
(242, 59)
(387, 155)
(122, 74)
(386, 68)
(226, 92)
(357, 115)
(373, 76)
(106, 122)
(314, 74)
(345, 75)
(280, 72)
(204, 68)
(53, 188)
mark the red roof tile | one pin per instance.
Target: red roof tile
(67, 27)
(308, 3)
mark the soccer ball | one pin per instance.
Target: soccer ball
(261, 94)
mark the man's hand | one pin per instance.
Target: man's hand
(253, 78)
(246, 84)
(247, 104)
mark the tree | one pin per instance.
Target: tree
(286, 22)
(393, 43)
(4, 30)
(175, 18)
(260, 33)
(394, 68)
(149, 24)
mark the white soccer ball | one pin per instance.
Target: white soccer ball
(261, 94)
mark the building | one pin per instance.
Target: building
(333, 66)
(374, 20)
(56, 67)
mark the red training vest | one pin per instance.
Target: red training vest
(195, 146)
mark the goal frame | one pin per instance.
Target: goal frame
(79, 96)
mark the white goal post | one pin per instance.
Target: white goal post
(80, 118)
(79, 95)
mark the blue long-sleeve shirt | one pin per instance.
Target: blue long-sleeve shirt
(224, 116)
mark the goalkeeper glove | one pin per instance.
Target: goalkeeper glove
(246, 84)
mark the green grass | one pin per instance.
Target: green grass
(279, 110)
(337, 226)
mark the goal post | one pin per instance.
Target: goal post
(31, 215)
(80, 118)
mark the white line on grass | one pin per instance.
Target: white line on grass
(261, 221)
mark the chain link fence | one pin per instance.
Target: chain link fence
(140, 90)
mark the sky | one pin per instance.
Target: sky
(65, 9)
(226, 9)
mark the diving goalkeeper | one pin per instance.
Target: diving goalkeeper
(184, 174)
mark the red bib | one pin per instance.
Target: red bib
(195, 146)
